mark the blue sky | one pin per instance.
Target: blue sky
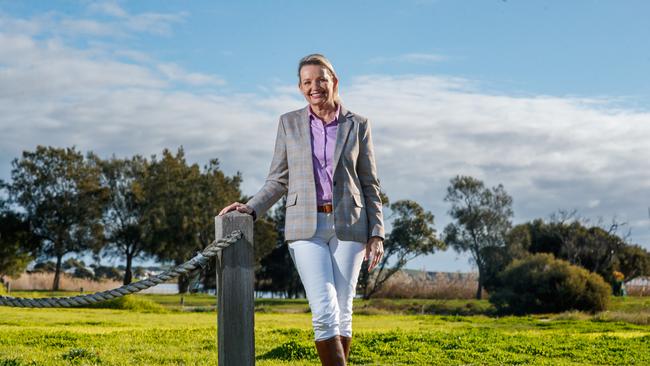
(543, 47)
(550, 98)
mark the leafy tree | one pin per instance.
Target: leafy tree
(16, 242)
(124, 215)
(73, 263)
(412, 235)
(214, 191)
(276, 272)
(47, 266)
(364, 275)
(481, 220)
(102, 272)
(497, 258)
(139, 271)
(182, 202)
(61, 195)
(266, 238)
(78, 269)
(633, 261)
(594, 248)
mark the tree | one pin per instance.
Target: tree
(44, 267)
(182, 202)
(481, 220)
(124, 214)
(633, 261)
(61, 195)
(412, 235)
(16, 242)
(78, 269)
(277, 272)
(106, 272)
(214, 191)
(497, 258)
(596, 248)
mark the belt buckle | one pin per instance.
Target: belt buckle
(326, 208)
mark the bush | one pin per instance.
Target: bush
(543, 284)
(130, 302)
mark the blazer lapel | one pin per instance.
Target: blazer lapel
(304, 128)
(342, 132)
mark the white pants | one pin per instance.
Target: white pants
(329, 270)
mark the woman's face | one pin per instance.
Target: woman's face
(317, 85)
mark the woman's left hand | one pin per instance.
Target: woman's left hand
(374, 252)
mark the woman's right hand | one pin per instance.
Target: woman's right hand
(241, 207)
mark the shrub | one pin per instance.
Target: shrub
(543, 284)
(130, 302)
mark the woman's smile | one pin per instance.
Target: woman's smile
(317, 85)
(317, 95)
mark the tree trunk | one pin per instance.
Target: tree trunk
(128, 272)
(209, 275)
(57, 272)
(480, 287)
(183, 284)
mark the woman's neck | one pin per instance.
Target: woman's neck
(325, 112)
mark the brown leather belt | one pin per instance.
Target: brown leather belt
(327, 208)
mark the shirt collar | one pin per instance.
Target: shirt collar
(313, 116)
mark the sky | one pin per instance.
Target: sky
(549, 98)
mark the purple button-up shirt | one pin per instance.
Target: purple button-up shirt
(323, 142)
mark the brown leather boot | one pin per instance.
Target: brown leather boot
(345, 342)
(330, 352)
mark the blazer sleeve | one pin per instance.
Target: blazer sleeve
(277, 180)
(367, 173)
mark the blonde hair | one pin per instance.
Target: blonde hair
(320, 60)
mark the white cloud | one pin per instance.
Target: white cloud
(155, 23)
(176, 73)
(49, 69)
(120, 23)
(22, 26)
(593, 203)
(90, 27)
(111, 8)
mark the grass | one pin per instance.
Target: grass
(394, 333)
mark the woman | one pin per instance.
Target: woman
(324, 162)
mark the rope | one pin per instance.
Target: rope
(199, 260)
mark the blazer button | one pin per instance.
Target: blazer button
(334, 182)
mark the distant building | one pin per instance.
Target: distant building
(641, 281)
(638, 286)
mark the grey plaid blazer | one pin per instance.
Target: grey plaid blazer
(355, 193)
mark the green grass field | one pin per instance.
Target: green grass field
(157, 331)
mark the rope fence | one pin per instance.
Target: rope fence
(200, 260)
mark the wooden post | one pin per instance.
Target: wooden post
(235, 293)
